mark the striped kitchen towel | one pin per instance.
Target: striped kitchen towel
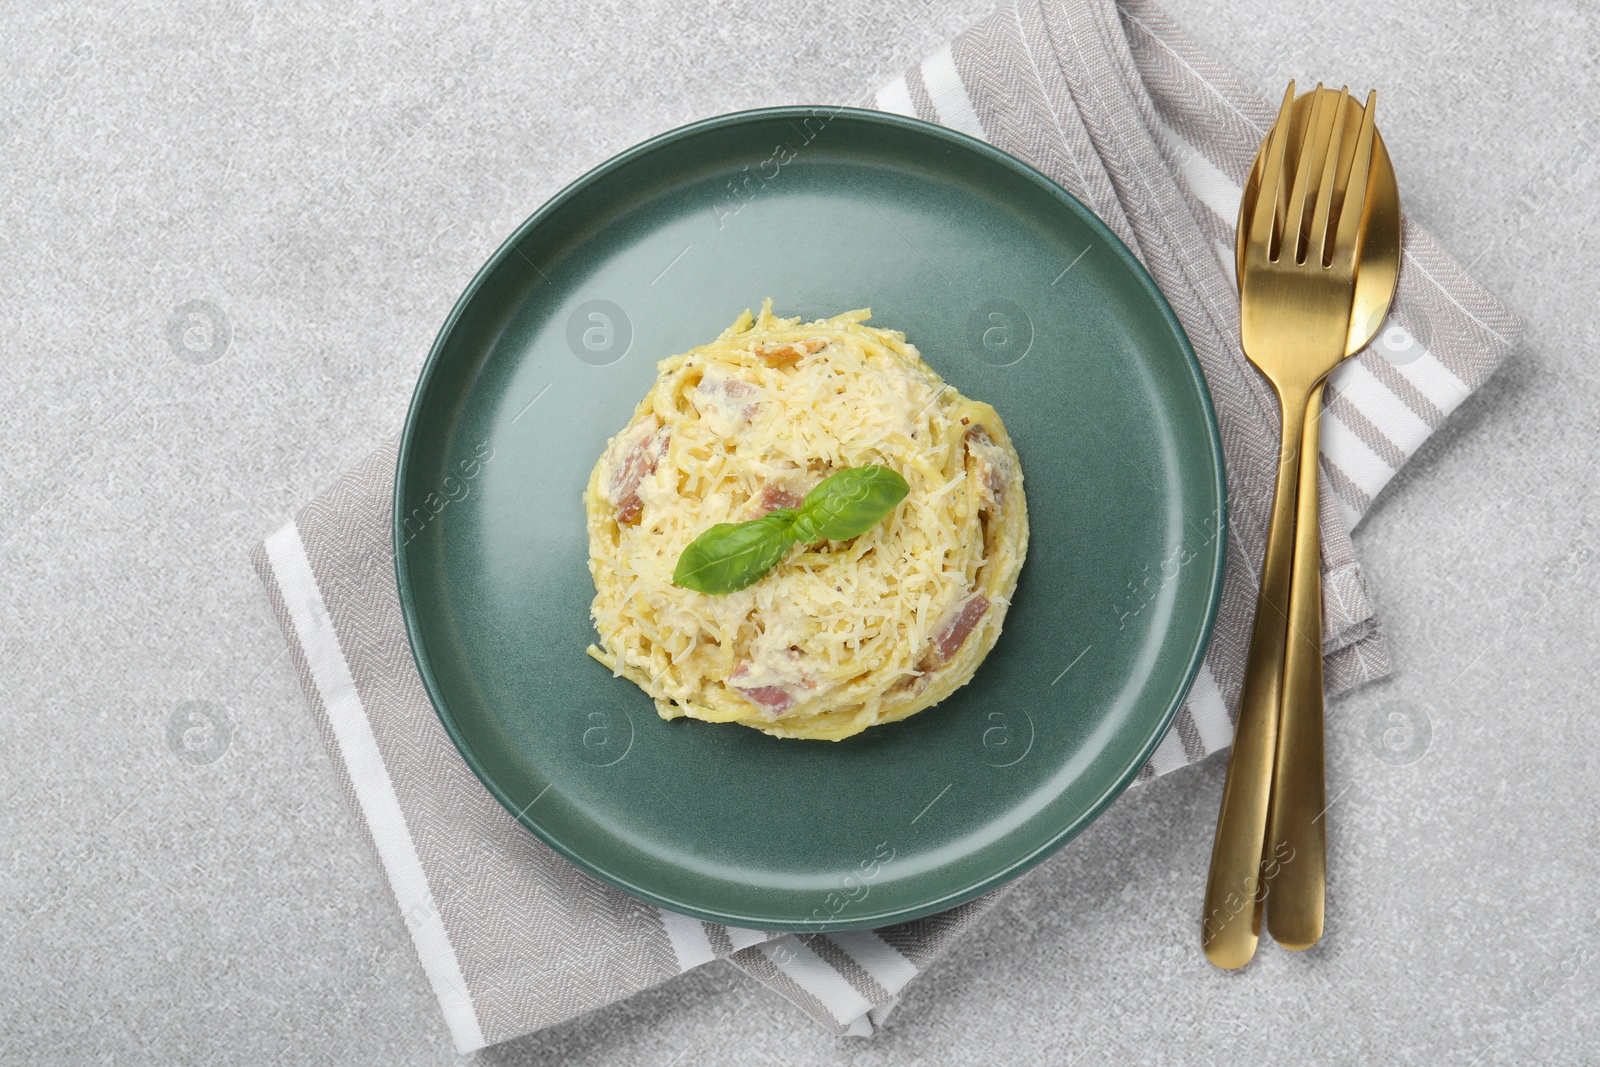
(1116, 103)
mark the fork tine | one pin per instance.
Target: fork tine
(1341, 179)
(1259, 246)
(1317, 245)
(1350, 212)
(1294, 222)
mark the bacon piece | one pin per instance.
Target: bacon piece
(773, 699)
(775, 495)
(725, 403)
(994, 466)
(637, 464)
(947, 641)
(787, 353)
(726, 392)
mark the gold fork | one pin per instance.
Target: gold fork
(1296, 284)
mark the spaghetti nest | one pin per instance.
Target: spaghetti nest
(840, 635)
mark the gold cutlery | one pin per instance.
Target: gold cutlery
(1298, 826)
(1299, 246)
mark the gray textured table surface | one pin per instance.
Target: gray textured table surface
(330, 181)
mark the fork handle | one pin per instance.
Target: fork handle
(1298, 859)
(1235, 890)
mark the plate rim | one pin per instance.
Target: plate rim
(956, 139)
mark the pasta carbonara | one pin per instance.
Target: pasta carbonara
(839, 636)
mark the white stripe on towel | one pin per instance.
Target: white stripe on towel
(896, 97)
(949, 95)
(1208, 711)
(819, 978)
(689, 940)
(370, 780)
(1374, 400)
(743, 938)
(1351, 454)
(877, 957)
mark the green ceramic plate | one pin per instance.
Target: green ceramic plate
(1018, 296)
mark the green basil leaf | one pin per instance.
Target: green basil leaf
(732, 555)
(848, 503)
